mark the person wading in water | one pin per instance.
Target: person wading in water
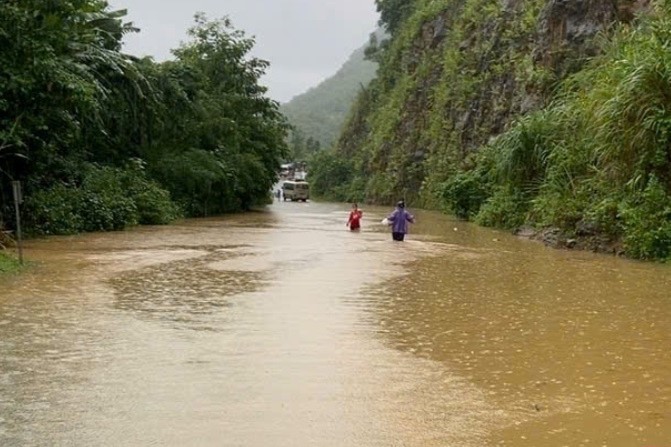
(399, 221)
(354, 221)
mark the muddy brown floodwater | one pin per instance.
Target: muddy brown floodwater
(281, 328)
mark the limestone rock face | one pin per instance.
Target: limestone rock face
(460, 77)
(568, 26)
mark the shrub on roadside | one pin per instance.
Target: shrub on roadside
(54, 211)
(506, 208)
(154, 204)
(465, 193)
(605, 217)
(8, 263)
(106, 199)
(105, 204)
(647, 223)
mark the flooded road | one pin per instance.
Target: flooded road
(282, 328)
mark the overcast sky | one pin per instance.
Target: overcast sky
(305, 41)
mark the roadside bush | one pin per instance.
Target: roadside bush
(106, 199)
(560, 209)
(8, 263)
(380, 188)
(54, 211)
(647, 223)
(522, 154)
(105, 204)
(154, 204)
(465, 193)
(506, 208)
(606, 217)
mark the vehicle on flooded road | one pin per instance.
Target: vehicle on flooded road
(296, 190)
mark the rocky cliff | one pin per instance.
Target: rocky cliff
(458, 73)
(520, 112)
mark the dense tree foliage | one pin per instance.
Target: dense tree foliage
(301, 148)
(102, 140)
(394, 12)
(330, 175)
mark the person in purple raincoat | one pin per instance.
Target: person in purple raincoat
(399, 221)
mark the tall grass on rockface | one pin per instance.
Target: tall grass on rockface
(518, 167)
(451, 75)
(599, 159)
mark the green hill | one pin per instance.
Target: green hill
(320, 112)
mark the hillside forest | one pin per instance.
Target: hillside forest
(548, 116)
(318, 115)
(102, 140)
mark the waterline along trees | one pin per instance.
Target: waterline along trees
(102, 140)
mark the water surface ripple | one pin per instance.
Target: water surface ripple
(281, 328)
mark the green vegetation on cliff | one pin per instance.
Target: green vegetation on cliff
(545, 113)
(102, 140)
(449, 79)
(596, 162)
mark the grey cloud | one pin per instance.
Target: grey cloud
(304, 40)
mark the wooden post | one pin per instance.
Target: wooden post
(18, 199)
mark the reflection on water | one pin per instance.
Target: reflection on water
(283, 328)
(185, 292)
(577, 345)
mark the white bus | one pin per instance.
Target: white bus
(295, 191)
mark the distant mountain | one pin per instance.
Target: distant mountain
(320, 112)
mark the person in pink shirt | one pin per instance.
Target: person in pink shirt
(354, 221)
